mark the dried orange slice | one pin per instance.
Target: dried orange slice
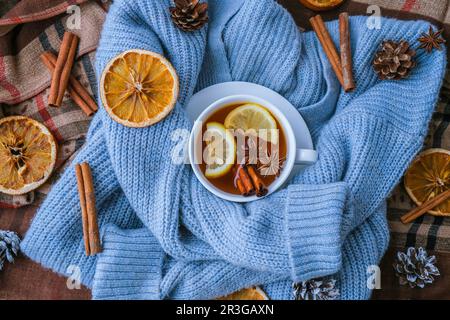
(429, 176)
(27, 154)
(246, 294)
(139, 88)
(321, 5)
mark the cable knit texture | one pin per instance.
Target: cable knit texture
(165, 236)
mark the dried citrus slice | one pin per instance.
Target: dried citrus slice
(27, 154)
(253, 117)
(139, 88)
(220, 150)
(246, 294)
(321, 5)
(427, 177)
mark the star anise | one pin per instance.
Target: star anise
(272, 165)
(431, 40)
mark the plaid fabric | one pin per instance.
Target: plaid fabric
(6, 6)
(24, 86)
(435, 11)
(430, 232)
(23, 76)
(34, 10)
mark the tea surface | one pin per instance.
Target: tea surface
(227, 183)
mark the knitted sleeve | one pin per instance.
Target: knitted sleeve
(361, 254)
(55, 238)
(133, 266)
(362, 251)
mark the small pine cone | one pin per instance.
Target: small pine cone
(395, 60)
(318, 289)
(415, 267)
(189, 15)
(9, 246)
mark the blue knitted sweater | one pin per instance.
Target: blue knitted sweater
(165, 236)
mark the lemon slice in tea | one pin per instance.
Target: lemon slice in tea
(139, 88)
(429, 176)
(246, 294)
(27, 154)
(249, 117)
(220, 150)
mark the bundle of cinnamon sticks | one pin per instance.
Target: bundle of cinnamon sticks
(86, 193)
(342, 66)
(249, 182)
(62, 80)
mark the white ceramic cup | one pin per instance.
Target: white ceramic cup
(293, 154)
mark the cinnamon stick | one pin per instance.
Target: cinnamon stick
(86, 193)
(261, 189)
(328, 46)
(422, 209)
(241, 187)
(94, 236)
(84, 215)
(63, 67)
(346, 53)
(76, 90)
(245, 180)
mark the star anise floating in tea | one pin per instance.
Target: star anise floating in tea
(273, 165)
(431, 40)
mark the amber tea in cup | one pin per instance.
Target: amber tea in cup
(258, 154)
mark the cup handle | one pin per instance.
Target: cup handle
(306, 156)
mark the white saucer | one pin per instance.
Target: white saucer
(202, 99)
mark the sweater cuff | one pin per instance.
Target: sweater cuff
(313, 224)
(129, 267)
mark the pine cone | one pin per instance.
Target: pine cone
(189, 15)
(395, 60)
(415, 267)
(316, 290)
(9, 246)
